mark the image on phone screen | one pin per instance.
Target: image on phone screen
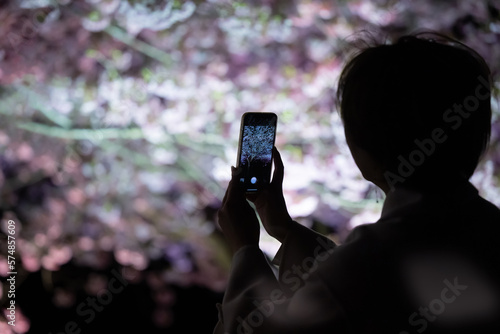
(257, 141)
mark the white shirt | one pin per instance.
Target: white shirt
(429, 264)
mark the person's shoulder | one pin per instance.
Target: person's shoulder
(486, 208)
(368, 234)
(362, 246)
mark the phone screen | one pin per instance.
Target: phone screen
(257, 137)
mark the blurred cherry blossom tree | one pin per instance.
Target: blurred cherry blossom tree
(257, 143)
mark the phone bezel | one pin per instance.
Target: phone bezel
(240, 142)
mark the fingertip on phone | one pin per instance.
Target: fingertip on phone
(235, 170)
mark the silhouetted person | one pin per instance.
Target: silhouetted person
(417, 119)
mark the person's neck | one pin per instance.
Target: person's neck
(448, 182)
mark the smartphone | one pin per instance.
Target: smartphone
(255, 149)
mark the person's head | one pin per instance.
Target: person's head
(417, 111)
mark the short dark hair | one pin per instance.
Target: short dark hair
(392, 96)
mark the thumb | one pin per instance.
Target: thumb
(279, 169)
(235, 171)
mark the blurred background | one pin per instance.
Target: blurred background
(119, 124)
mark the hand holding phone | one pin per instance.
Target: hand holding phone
(270, 203)
(255, 149)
